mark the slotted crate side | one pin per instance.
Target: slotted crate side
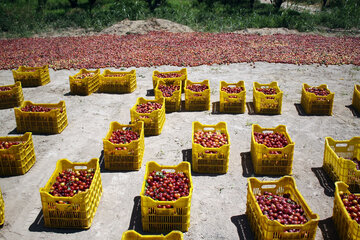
(316, 105)
(183, 77)
(117, 84)
(172, 103)
(356, 98)
(81, 208)
(337, 163)
(267, 104)
(154, 121)
(204, 160)
(85, 86)
(272, 161)
(129, 158)
(18, 159)
(133, 235)
(156, 219)
(32, 76)
(2, 209)
(264, 228)
(232, 102)
(346, 227)
(52, 122)
(11, 98)
(197, 101)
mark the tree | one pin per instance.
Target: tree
(41, 5)
(73, 3)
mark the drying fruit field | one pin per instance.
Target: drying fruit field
(218, 202)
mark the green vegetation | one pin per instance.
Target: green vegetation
(25, 17)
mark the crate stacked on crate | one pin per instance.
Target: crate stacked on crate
(267, 98)
(151, 112)
(11, 95)
(74, 208)
(317, 100)
(346, 223)
(356, 98)
(272, 150)
(32, 76)
(197, 95)
(41, 117)
(17, 154)
(341, 161)
(133, 235)
(2, 209)
(124, 146)
(210, 148)
(265, 194)
(162, 212)
(232, 97)
(85, 82)
(117, 82)
(174, 75)
(170, 90)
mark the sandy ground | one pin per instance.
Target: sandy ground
(219, 201)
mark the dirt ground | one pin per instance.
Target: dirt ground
(219, 201)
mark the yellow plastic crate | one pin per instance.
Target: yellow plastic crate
(51, 122)
(210, 162)
(117, 84)
(129, 159)
(2, 210)
(347, 228)
(264, 228)
(13, 97)
(172, 104)
(132, 235)
(197, 101)
(80, 209)
(38, 77)
(183, 77)
(85, 86)
(156, 219)
(316, 105)
(272, 161)
(356, 98)
(267, 104)
(18, 159)
(232, 102)
(337, 163)
(154, 121)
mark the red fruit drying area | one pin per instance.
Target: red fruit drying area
(176, 49)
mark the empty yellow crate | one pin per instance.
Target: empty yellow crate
(2, 209)
(51, 122)
(129, 158)
(132, 235)
(18, 159)
(110, 83)
(154, 121)
(85, 86)
(264, 228)
(32, 76)
(316, 105)
(172, 103)
(218, 160)
(183, 76)
(272, 161)
(156, 219)
(13, 97)
(80, 209)
(267, 104)
(232, 102)
(197, 101)
(346, 227)
(356, 98)
(337, 160)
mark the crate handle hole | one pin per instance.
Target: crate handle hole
(168, 170)
(80, 167)
(270, 186)
(209, 129)
(341, 145)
